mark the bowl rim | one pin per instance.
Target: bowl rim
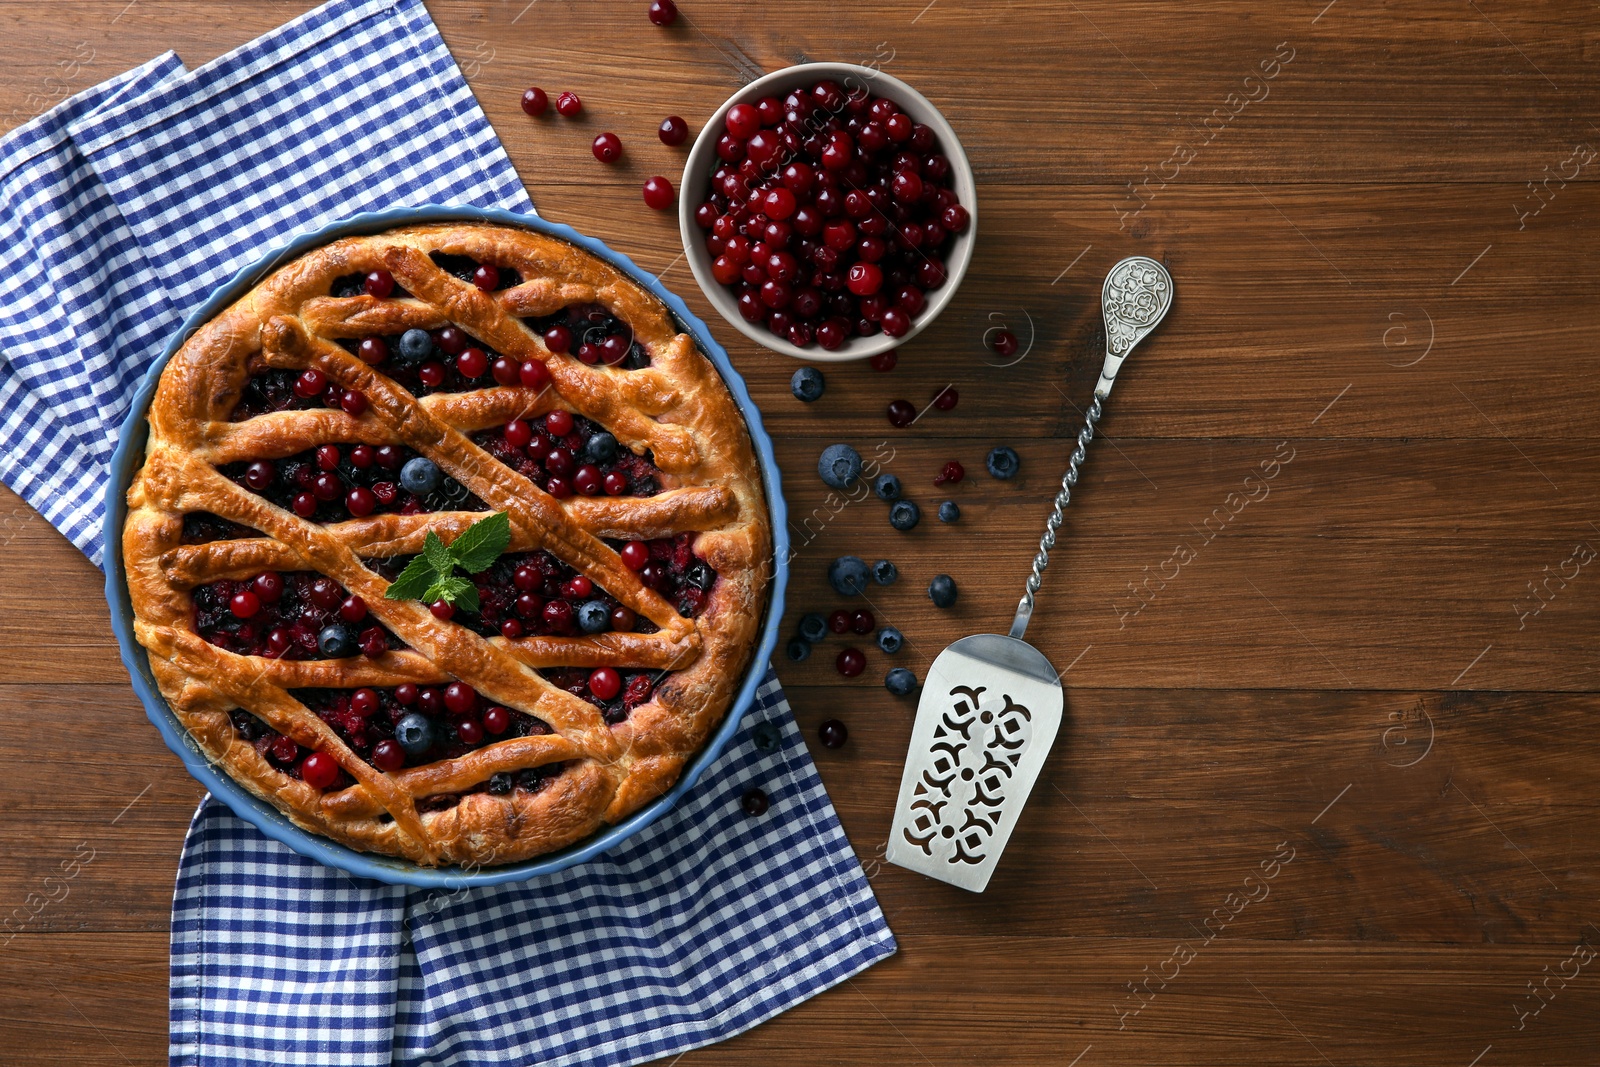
(129, 453)
(696, 177)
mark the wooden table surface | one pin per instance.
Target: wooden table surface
(1324, 599)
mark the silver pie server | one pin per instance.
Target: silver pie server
(991, 704)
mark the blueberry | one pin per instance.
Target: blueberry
(942, 591)
(799, 649)
(594, 617)
(415, 346)
(904, 515)
(900, 682)
(884, 572)
(887, 487)
(415, 733)
(1003, 462)
(766, 736)
(500, 783)
(337, 641)
(848, 575)
(949, 511)
(421, 476)
(890, 640)
(600, 448)
(807, 384)
(839, 465)
(813, 627)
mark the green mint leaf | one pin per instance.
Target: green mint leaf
(481, 543)
(453, 590)
(412, 582)
(438, 556)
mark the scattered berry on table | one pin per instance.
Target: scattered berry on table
(848, 575)
(833, 734)
(1004, 343)
(839, 622)
(665, 13)
(569, 105)
(674, 131)
(838, 466)
(421, 476)
(885, 361)
(799, 649)
(608, 147)
(904, 515)
(754, 802)
(946, 398)
(813, 627)
(949, 511)
(534, 101)
(942, 591)
(851, 662)
(885, 572)
(766, 737)
(862, 622)
(950, 473)
(807, 384)
(658, 193)
(901, 413)
(1003, 462)
(887, 486)
(890, 640)
(900, 682)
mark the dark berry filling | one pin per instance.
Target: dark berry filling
(616, 693)
(295, 615)
(534, 593)
(334, 482)
(567, 455)
(406, 725)
(276, 389)
(446, 360)
(202, 527)
(347, 285)
(591, 334)
(470, 270)
(669, 566)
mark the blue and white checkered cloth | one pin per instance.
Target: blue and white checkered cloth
(123, 208)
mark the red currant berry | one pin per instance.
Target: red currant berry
(851, 662)
(658, 193)
(901, 413)
(244, 604)
(354, 609)
(496, 720)
(319, 770)
(946, 398)
(559, 423)
(388, 755)
(605, 683)
(460, 698)
(442, 609)
(534, 102)
(373, 351)
(634, 555)
(380, 283)
(534, 375)
(608, 147)
(663, 12)
(569, 105)
(885, 361)
(673, 131)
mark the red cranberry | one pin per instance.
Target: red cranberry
(430, 701)
(851, 662)
(353, 403)
(658, 193)
(615, 483)
(244, 604)
(831, 334)
(910, 300)
(534, 375)
(750, 308)
(862, 622)
(431, 374)
(871, 249)
(327, 457)
(389, 457)
(518, 434)
(559, 423)
(742, 121)
(730, 149)
(798, 178)
(558, 487)
(486, 277)
(260, 475)
(901, 413)
(770, 109)
(833, 733)
(460, 698)
(558, 339)
(361, 457)
(283, 749)
(319, 770)
(663, 12)
(885, 361)
(388, 755)
(930, 273)
(405, 694)
(608, 148)
(764, 148)
(839, 622)
(864, 279)
(907, 186)
(1004, 342)
(614, 349)
(828, 96)
(605, 683)
(753, 803)
(586, 480)
(504, 371)
(526, 578)
(569, 105)
(779, 203)
(950, 473)
(379, 283)
(558, 616)
(946, 398)
(386, 492)
(373, 641)
(653, 575)
(443, 610)
(634, 555)
(268, 586)
(578, 587)
(326, 594)
(623, 619)
(922, 139)
(327, 487)
(534, 102)
(511, 629)
(559, 461)
(673, 131)
(895, 322)
(353, 610)
(278, 642)
(839, 151)
(529, 605)
(470, 731)
(365, 703)
(496, 720)
(725, 270)
(305, 505)
(311, 383)
(451, 341)
(472, 363)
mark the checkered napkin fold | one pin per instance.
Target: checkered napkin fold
(123, 208)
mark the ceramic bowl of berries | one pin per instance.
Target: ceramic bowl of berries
(445, 546)
(828, 211)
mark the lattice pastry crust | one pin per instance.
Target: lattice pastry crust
(677, 407)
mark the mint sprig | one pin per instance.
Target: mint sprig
(432, 575)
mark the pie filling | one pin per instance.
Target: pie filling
(591, 334)
(202, 527)
(297, 615)
(566, 455)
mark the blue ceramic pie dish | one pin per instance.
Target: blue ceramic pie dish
(129, 456)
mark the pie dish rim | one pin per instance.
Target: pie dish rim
(129, 455)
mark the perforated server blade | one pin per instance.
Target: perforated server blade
(991, 704)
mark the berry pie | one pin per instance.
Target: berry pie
(374, 403)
